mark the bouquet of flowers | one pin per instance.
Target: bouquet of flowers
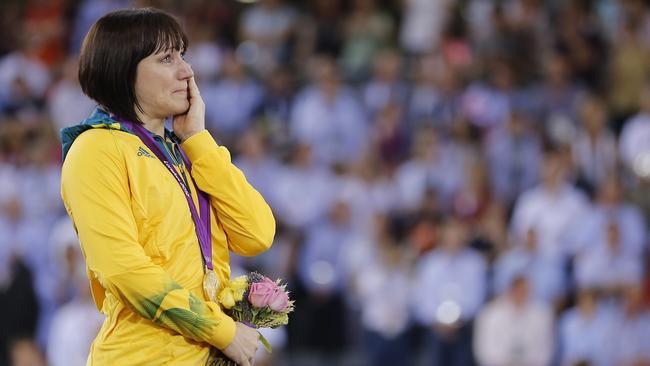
(256, 301)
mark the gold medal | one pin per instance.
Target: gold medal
(210, 285)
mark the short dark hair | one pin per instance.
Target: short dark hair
(112, 49)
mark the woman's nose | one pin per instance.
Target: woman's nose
(185, 71)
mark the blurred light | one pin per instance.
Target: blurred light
(322, 273)
(247, 1)
(641, 165)
(448, 312)
(247, 52)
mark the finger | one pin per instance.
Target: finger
(194, 89)
(245, 363)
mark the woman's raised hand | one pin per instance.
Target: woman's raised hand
(193, 121)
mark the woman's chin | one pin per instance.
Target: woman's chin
(180, 108)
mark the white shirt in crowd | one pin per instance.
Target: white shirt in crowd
(67, 104)
(73, 329)
(600, 266)
(271, 24)
(587, 337)
(336, 130)
(546, 277)
(449, 287)
(321, 266)
(422, 25)
(16, 65)
(552, 214)
(592, 228)
(261, 173)
(507, 335)
(293, 195)
(442, 173)
(631, 336)
(383, 292)
(634, 142)
(230, 104)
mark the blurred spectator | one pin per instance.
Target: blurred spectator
(87, 13)
(23, 81)
(76, 323)
(205, 54)
(558, 96)
(366, 30)
(274, 112)
(265, 29)
(581, 40)
(473, 196)
(513, 157)
(422, 24)
(321, 31)
(433, 166)
(629, 69)
(611, 208)
(632, 330)
(587, 332)
(435, 96)
(18, 303)
(448, 291)
(389, 137)
(634, 142)
(66, 103)
(385, 86)
(549, 208)
(45, 22)
(293, 199)
(514, 330)
(606, 265)
(231, 101)
(594, 150)
(328, 117)
(510, 41)
(546, 280)
(320, 269)
(37, 206)
(383, 269)
(368, 188)
(260, 167)
(25, 352)
(488, 105)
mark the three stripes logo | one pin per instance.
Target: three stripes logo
(143, 152)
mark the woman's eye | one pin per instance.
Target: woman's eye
(167, 59)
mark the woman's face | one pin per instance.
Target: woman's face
(161, 84)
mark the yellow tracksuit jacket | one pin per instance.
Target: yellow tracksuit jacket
(142, 254)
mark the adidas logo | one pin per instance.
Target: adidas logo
(143, 152)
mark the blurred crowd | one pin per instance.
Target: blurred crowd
(455, 182)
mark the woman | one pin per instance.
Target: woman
(156, 211)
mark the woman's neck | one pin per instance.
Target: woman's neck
(155, 125)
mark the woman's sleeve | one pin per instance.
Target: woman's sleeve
(244, 215)
(95, 190)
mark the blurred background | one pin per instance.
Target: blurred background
(455, 182)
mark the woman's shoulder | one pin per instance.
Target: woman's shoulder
(97, 144)
(102, 140)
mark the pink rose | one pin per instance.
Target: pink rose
(260, 293)
(279, 300)
(268, 280)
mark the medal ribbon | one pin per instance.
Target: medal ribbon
(202, 222)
